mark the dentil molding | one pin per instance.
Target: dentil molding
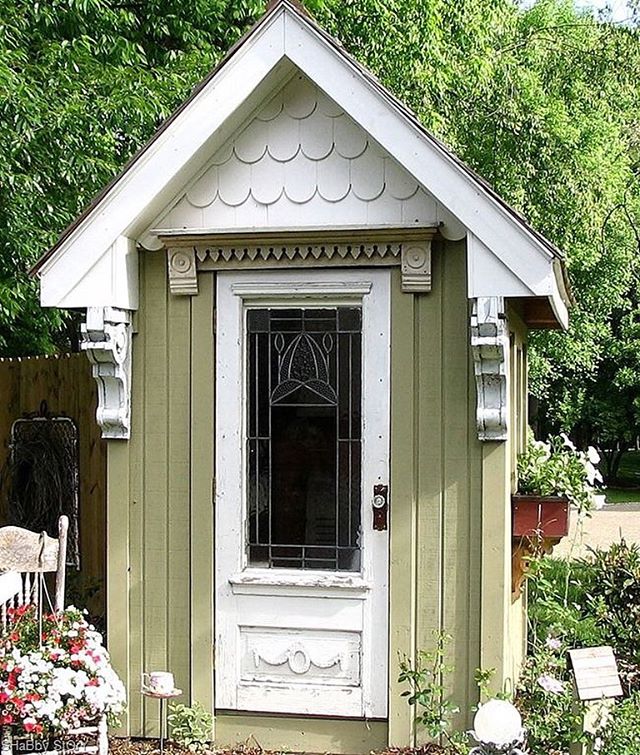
(409, 248)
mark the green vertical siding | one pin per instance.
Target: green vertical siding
(432, 383)
(403, 492)
(118, 615)
(151, 509)
(202, 535)
(449, 499)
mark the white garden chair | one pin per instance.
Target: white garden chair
(25, 558)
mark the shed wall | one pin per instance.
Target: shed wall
(449, 501)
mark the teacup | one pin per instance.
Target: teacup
(160, 682)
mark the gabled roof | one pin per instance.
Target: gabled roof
(102, 239)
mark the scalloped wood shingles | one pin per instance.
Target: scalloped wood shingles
(301, 161)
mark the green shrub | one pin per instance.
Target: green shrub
(593, 601)
(426, 678)
(191, 727)
(559, 603)
(545, 700)
(616, 604)
(622, 734)
(581, 603)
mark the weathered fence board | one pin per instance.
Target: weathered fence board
(66, 384)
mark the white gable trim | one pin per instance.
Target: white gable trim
(285, 38)
(424, 158)
(165, 162)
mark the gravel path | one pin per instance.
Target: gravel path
(601, 529)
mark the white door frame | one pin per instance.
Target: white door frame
(352, 605)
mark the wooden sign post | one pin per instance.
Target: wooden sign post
(596, 684)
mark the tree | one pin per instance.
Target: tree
(543, 103)
(83, 84)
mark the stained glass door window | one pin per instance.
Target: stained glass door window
(304, 429)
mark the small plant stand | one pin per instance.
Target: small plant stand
(538, 523)
(161, 696)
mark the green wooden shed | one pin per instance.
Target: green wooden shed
(308, 323)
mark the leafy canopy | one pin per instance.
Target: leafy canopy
(83, 84)
(543, 102)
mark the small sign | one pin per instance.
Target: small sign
(595, 672)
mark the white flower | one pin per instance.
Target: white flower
(593, 455)
(553, 643)
(567, 441)
(551, 684)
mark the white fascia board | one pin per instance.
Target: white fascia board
(487, 273)
(166, 161)
(559, 298)
(112, 281)
(432, 166)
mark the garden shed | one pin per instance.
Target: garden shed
(307, 320)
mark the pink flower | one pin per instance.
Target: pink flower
(553, 643)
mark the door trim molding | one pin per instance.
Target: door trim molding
(409, 248)
(368, 616)
(305, 291)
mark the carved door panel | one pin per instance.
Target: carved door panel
(302, 427)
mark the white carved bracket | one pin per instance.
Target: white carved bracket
(490, 350)
(106, 337)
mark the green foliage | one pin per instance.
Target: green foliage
(582, 603)
(83, 84)
(556, 468)
(545, 700)
(191, 726)
(622, 735)
(543, 103)
(558, 605)
(426, 680)
(483, 677)
(592, 601)
(614, 598)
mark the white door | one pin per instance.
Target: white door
(302, 440)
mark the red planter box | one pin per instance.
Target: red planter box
(539, 516)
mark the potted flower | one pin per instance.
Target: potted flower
(55, 674)
(552, 477)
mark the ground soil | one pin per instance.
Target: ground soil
(122, 746)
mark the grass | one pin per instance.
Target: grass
(627, 487)
(630, 468)
(622, 495)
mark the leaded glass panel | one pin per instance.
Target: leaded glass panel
(304, 383)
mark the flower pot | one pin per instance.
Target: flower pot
(539, 516)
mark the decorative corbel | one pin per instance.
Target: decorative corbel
(416, 267)
(490, 350)
(106, 337)
(183, 275)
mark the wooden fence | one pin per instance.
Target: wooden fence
(66, 384)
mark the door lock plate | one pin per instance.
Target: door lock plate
(380, 505)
